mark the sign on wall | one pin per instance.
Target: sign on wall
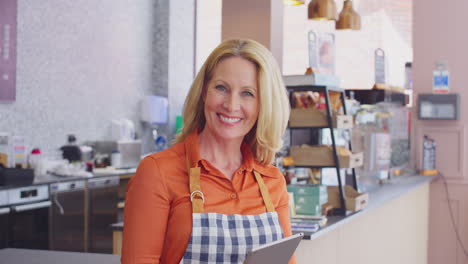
(8, 11)
(379, 65)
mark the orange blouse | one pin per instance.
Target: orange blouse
(158, 211)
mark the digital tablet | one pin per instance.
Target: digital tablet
(277, 252)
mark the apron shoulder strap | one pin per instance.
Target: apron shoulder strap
(197, 198)
(196, 195)
(264, 192)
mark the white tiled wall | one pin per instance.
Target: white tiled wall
(79, 64)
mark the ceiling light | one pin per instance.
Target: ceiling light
(322, 9)
(293, 2)
(348, 19)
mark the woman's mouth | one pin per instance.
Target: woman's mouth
(229, 120)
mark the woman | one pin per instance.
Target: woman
(214, 196)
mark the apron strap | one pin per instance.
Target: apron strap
(198, 199)
(264, 192)
(196, 195)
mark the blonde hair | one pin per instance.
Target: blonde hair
(265, 138)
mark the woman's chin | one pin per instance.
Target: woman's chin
(225, 134)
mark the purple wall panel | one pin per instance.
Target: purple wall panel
(8, 11)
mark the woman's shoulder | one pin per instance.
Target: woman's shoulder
(175, 153)
(165, 160)
(273, 178)
(267, 170)
(166, 168)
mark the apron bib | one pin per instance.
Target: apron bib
(220, 238)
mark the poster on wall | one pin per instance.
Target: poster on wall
(321, 52)
(326, 50)
(8, 11)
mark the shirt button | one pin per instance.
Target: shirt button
(233, 195)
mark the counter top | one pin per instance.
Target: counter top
(49, 178)
(117, 226)
(377, 198)
(19, 256)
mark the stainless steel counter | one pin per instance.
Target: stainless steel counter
(74, 212)
(49, 178)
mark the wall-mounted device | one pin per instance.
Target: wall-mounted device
(438, 106)
(154, 109)
(154, 112)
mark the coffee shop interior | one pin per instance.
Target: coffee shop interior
(374, 152)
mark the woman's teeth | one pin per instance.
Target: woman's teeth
(229, 120)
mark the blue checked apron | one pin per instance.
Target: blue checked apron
(219, 238)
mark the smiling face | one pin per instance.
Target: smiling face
(232, 99)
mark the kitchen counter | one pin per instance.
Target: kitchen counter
(74, 213)
(105, 172)
(49, 178)
(392, 229)
(377, 198)
(20, 256)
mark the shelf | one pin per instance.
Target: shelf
(312, 117)
(326, 120)
(314, 167)
(314, 88)
(308, 127)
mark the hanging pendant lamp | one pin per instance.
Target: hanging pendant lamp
(322, 9)
(348, 19)
(293, 2)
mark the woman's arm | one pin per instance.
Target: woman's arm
(145, 218)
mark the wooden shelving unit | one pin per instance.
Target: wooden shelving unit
(325, 90)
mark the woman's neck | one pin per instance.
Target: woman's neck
(225, 154)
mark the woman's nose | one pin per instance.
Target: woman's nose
(232, 103)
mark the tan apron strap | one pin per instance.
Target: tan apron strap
(264, 192)
(196, 196)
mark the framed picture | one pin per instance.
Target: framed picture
(321, 52)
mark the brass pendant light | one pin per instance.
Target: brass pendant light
(348, 19)
(322, 9)
(293, 2)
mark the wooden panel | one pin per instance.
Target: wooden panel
(442, 242)
(322, 250)
(450, 149)
(393, 233)
(117, 242)
(443, 245)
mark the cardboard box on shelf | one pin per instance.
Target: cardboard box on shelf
(354, 200)
(308, 199)
(312, 117)
(318, 191)
(307, 205)
(306, 155)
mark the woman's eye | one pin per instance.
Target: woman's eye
(247, 93)
(220, 88)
